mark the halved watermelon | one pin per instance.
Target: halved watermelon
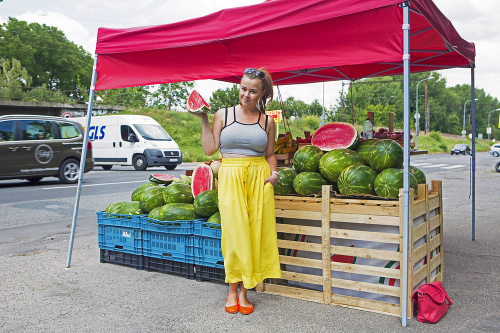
(161, 178)
(202, 179)
(196, 103)
(335, 135)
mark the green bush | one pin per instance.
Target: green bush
(443, 147)
(436, 136)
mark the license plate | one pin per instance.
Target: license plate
(173, 160)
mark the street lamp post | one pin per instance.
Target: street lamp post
(417, 115)
(488, 130)
(463, 130)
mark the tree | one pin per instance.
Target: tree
(132, 97)
(173, 94)
(46, 54)
(12, 78)
(224, 98)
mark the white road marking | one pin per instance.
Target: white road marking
(420, 164)
(454, 166)
(434, 165)
(58, 187)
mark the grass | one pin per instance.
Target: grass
(185, 129)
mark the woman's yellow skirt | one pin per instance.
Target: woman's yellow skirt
(249, 241)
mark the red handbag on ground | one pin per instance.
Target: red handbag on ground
(431, 302)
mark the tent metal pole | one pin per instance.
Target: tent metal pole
(82, 160)
(406, 165)
(473, 180)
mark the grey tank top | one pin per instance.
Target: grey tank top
(243, 139)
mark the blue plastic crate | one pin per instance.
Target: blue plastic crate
(169, 267)
(121, 258)
(164, 245)
(171, 227)
(203, 228)
(208, 252)
(120, 239)
(209, 273)
(120, 220)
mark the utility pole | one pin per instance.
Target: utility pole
(426, 110)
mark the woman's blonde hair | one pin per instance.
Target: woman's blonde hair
(267, 84)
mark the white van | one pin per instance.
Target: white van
(131, 140)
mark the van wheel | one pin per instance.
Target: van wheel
(69, 171)
(107, 167)
(497, 167)
(170, 167)
(140, 163)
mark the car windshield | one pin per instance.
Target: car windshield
(152, 132)
(460, 145)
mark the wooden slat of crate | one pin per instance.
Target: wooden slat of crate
(367, 304)
(418, 276)
(419, 253)
(435, 222)
(419, 232)
(326, 252)
(367, 253)
(294, 292)
(435, 243)
(365, 219)
(298, 214)
(366, 270)
(298, 229)
(302, 246)
(380, 289)
(372, 236)
(301, 277)
(298, 261)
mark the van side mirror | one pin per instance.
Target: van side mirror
(132, 138)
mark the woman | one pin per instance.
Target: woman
(247, 176)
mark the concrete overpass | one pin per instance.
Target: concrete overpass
(55, 109)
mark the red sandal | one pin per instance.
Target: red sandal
(246, 309)
(233, 308)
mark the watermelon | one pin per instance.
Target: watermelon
(183, 180)
(202, 179)
(196, 103)
(306, 159)
(419, 174)
(284, 185)
(115, 207)
(177, 212)
(336, 135)
(307, 183)
(161, 178)
(363, 149)
(207, 203)
(385, 154)
(334, 162)
(131, 208)
(357, 179)
(138, 191)
(155, 213)
(151, 198)
(178, 192)
(389, 181)
(215, 219)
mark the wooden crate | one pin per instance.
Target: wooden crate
(330, 222)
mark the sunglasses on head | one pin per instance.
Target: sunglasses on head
(257, 72)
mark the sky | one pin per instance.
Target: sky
(476, 21)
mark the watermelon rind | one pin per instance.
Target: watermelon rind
(161, 178)
(334, 162)
(131, 208)
(306, 159)
(138, 191)
(386, 154)
(357, 179)
(363, 149)
(202, 179)
(151, 198)
(207, 203)
(419, 174)
(215, 219)
(389, 181)
(336, 135)
(178, 193)
(115, 207)
(284, 185)
(177, 212)
(308, 183)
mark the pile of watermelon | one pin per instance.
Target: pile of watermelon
(337, 157)
(167, 198)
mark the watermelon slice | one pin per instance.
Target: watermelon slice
(161, 178)
(336, 135)
(202, 179)
(196, 103)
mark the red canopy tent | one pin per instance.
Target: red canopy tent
(298, 41)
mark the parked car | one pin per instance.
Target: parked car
(33, 147)
(495, 150)
(461, 148)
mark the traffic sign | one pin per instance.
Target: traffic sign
(66, 115)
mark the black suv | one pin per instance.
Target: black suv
(461, 148)
(33, 147)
